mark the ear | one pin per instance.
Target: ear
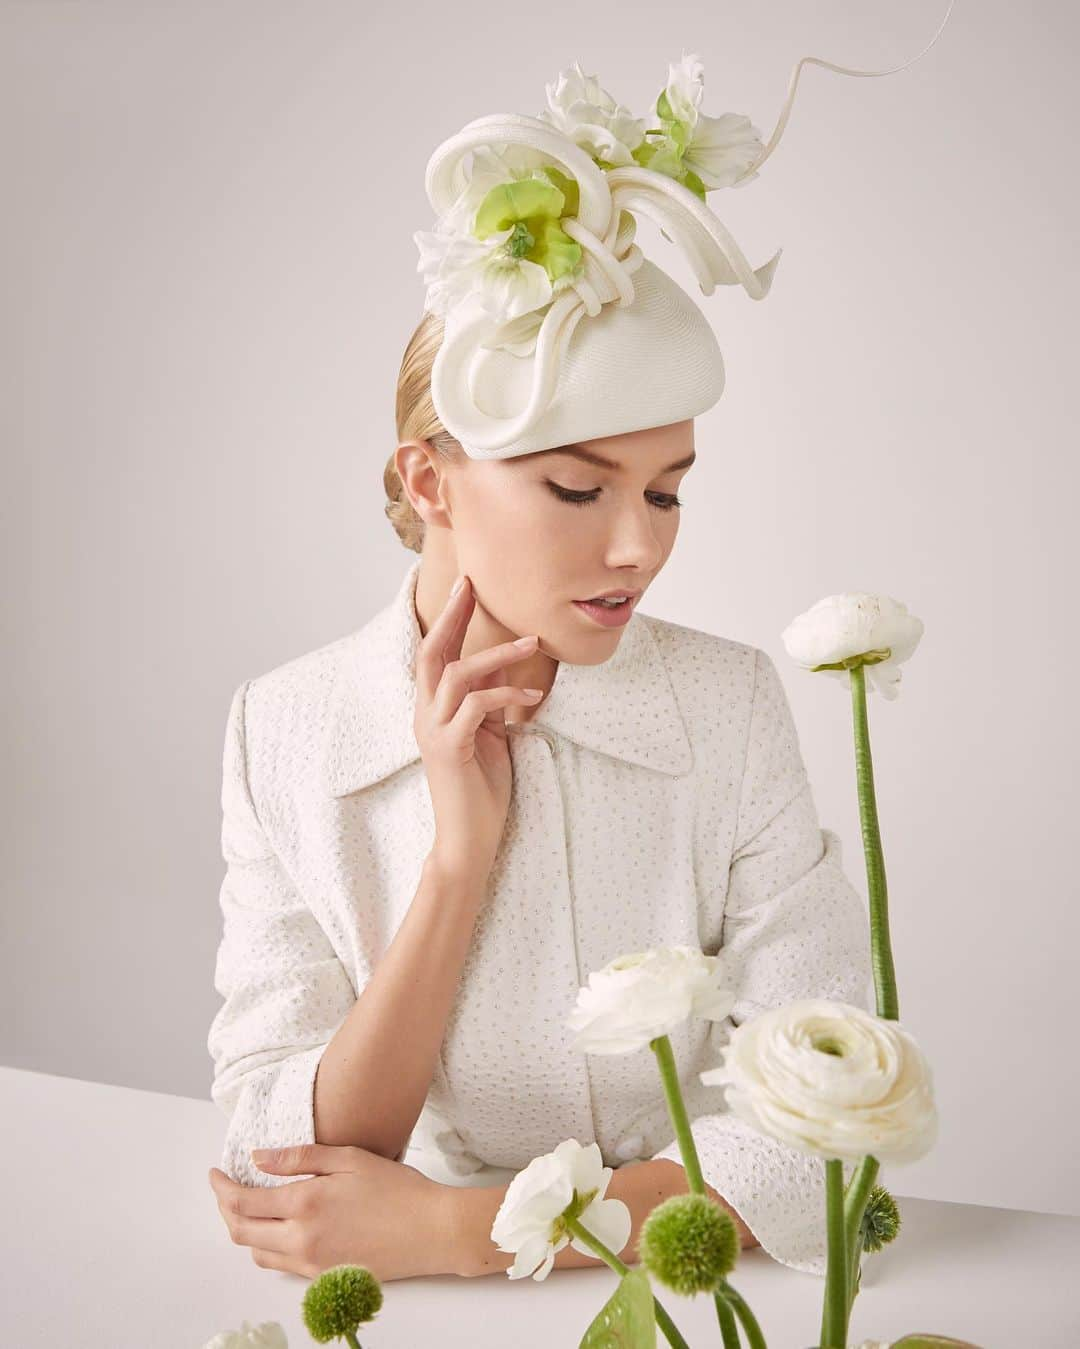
(423, 476)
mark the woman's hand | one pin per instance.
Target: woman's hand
(460, 726)
(357, 1208)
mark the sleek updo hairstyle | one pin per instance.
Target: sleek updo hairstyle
(416, 419)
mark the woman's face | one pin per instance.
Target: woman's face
(538, 532)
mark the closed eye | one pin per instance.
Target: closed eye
(664, 501)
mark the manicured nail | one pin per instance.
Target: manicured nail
(524, 641)
(458, 584)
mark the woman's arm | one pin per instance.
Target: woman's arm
(393, 1033)
(295, 1051)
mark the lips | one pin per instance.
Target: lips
(607, 615)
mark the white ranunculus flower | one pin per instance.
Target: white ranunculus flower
(720, 149)
(529, 1220)
(266, 1335)
(830, 1079)
(840, 627)
(637, 997)
(590, 117)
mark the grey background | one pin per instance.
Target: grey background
(208, 281)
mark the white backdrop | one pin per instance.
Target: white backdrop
(209, 279)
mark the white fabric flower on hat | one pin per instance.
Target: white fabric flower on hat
(830, 1079)
(266, 1335)
(718, 151)
(529, 1220)
(500, 241)
(839, 629)
(636, 998)
(579, 107)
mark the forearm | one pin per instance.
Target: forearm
(375, 1073)
(640, 1187)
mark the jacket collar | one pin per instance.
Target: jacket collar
(624, 707)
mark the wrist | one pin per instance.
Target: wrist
(472, 1211)
(454, 876)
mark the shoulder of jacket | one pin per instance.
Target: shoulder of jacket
(684, 647)
(296, 693)
(714, 677)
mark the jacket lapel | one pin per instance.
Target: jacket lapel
(624, 707)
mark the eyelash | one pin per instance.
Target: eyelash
(669, 502)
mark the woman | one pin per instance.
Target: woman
(437, 826)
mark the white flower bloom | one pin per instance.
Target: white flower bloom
(636, 998)
(720, 149)
(456, 264)
(830, 1079)
(852, 624)
(589, 116)
(267, 1335)
(529, 1220)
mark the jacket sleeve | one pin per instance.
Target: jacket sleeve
(285, 991)
(793, 927)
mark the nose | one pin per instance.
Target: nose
(636, 540)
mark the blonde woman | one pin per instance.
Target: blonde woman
(436, 826)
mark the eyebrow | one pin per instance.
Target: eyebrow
(591, 457)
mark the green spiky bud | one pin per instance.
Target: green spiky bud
(880, 1220)
(339, 1300)
(689, 1243)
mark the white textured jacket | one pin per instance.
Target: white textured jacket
(658, 798)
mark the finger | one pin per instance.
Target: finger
(443, 639)
(480, 704)
(315, 1159)
(477, 672)
(259, 1201)
(268, 1234)
(291, 1264)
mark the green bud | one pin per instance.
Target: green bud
(339, 1300)
(880, 1220)
(689, 1243)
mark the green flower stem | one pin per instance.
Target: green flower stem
(754, 1338)
(351, 1340)
(880, 945)
(729, 1327)
(835, 1313)
(663, 1320)
(669, 1077)
(888, 1003)
(856, 1197)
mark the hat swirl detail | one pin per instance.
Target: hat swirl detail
(535, 230)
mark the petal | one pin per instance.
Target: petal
(610, 1221)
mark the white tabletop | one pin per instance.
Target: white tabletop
(112, 1239)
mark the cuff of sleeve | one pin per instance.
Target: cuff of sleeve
(778, 1191)
(275, 1109)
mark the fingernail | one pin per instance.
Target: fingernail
(524, 641)
(264, 1154)
(458, 584)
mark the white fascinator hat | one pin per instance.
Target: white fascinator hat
(556, 327)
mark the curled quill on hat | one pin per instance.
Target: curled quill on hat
(535, 227)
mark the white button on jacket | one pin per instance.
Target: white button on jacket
(658, 798)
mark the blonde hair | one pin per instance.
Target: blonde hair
(416, 419)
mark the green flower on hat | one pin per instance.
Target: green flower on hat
(526, 212)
